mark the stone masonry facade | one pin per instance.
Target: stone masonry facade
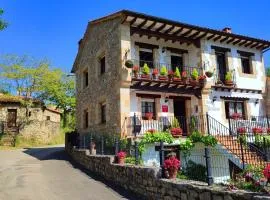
(146, 181)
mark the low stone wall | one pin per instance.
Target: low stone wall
(146, 181)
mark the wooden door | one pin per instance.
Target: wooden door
(11, 117)
(221, 64)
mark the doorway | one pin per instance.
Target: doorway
(11, 117)
(180, 114)
(221, 65)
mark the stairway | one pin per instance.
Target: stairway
(8, 138)
(233, 146)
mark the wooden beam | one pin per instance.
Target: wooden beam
(186, 33)
(194, 35)
(248, 44)
(133, 21)
(169, 30)
(210, 37)
(161, 27)
(224, 39)
(260, 46)
(176, 50)
(217, 38)
(237, 41)
(142, 24)
(152, 25)
(151, 96)
(161, 35)
(220, 49)
(254, 45)
(146, 45)
(244, 53)
(202, 36)
(230, 40)
(178, 31)
(241, 43)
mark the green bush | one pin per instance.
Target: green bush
(194, 74)
(228, 76)
(175, 123)
(146, 69)
(177, 73)
(163, 71)
(194, 171)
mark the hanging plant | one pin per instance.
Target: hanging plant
(129, 64)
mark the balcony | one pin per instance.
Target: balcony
(154, 76)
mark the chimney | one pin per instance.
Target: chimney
(227, 30)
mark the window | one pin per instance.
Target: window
(177, 61)
(85, 113)
(232, 107)
(48, 118)
(103, 113)
(245, 61)
(146, 56)
(148, 106)
(85, 79)
(102, 62)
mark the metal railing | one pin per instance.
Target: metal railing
(219, 78)
(157, 66)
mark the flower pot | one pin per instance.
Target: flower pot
(193, 82)
(154, 76)
(184, 80)
(121, 160)
(149, 116)
(135, 74)
(209, 74)
(129, 64)
(175, 79)
(170, 77)
(162, 78)
(145, 76)
(228, 83)
(172, 173)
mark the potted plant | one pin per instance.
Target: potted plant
(121, 157)
(241, 131)
(170, 75)
(236, 116)
(149, 115)
(145, 71)
(176, 132)
(172, 165)
(194, 77)
(135, 71)
(184, 76)
(163, 73)
(177, 75)
(129, 64)
(228, 79)
(266, 172)
(209, 74)
(155, 73)
(202, 80)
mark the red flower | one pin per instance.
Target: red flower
(184, 74)
(135, 68)
(121, 154)
(268, 130)
(202, 77)
(257, 131)
(170, 73)
(236, 116)
(155, 72)
(266, 171)
(176, 131)
(152, 130)
(172, 163)
(241, 130)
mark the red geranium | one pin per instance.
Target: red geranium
(152, 130)
(155, 72)
(202, 77)
(172, 163)
(236, 116)
(170, 73)
(135, 68)
(257, 130)
(176, 131)
(241, 130)
(184, 74)
(266, 172)
(121, 154)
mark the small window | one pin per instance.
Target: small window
(177, 61)
(103, 113)
(246, 67)
(232, 107)
(85, 113)
(85, 78)
(148, 106)
(48, 118)
(146, 57)
(102, 62)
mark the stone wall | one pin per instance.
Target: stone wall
(146, 181)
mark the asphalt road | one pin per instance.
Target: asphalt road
(46, 174)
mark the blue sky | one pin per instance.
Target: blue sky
(51, 29)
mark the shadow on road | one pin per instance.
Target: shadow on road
(58, 153)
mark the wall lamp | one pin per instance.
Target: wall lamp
(214, 98)
(166, 99)
(256, 101)
(163, 49)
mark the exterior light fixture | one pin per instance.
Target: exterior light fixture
(166, 99)
(256, 101)
(214, 98)
(163, 49)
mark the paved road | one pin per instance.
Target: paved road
(47, 174)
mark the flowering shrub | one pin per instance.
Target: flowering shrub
(184, 74)
(135, 68)
(155, 72)
(257, 130)
(176, 131)
(236, 116)
(241, 130)
(151, 131)
(172, 163)
(121, 154)
(266, 172)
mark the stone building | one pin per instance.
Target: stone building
(108, 92)
(28, 118)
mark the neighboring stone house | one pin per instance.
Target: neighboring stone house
(34, 120)
(108, 92)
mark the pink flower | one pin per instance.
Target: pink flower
(121, 154)
(257, 131)
(266, 172)
(241, 130)
(172, 163)
(176, 131)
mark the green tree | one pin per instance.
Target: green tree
(3, 24)
(268, 71)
